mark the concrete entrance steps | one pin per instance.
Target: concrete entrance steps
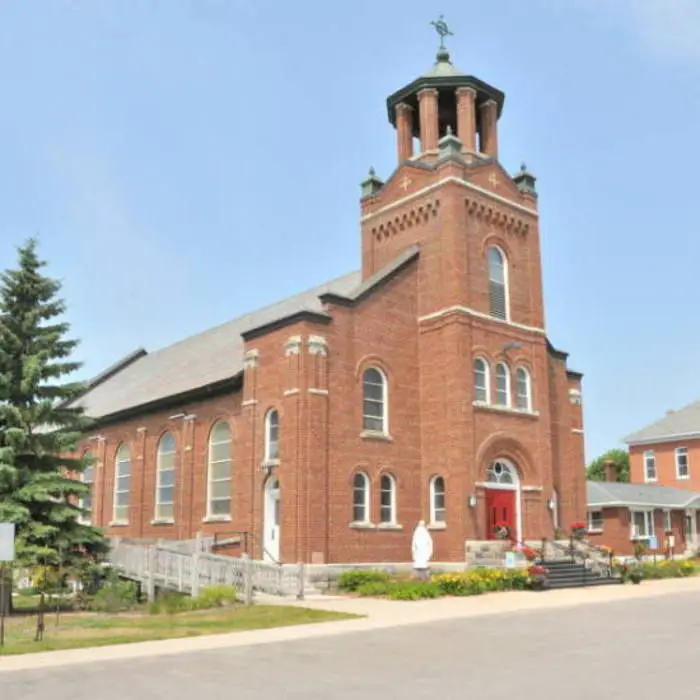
(565, 574)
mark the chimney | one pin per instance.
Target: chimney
(610, 470)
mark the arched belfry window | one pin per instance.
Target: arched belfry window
(498, 283)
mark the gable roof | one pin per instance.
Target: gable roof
(215, 356)
(614, 493)
(675, 425)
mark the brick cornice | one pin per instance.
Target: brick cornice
(495, 216)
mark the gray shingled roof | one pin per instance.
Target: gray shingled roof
(611, 493)
(200, 360)
(675, 424)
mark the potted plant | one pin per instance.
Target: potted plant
(529, 553)
(635, 575)
(578, 530)
(538, 577)
(501, 530)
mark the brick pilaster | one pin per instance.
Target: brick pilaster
(489, 128)
(428, 117)
(404, 131)
(466, 117)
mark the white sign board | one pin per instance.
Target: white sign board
(510, 560)
(7, 542)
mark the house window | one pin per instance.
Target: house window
(437, 500)
(165, 478)
(502, 385)
(682, 467)
(387, 513)
(374, 401)
(595, 521)
(649, 466)
(498, 283)
(481, 380)
(642, 524)
(219, 472)
(88, 478)
(122, 482)
(523, 390)
(360, 499)
(272, 435)
(667, 521)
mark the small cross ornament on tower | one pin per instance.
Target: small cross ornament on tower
(493, 180)
(405, 183)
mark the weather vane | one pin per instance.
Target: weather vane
(442, 29)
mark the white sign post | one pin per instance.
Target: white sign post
(7, 554)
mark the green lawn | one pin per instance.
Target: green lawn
(78, 630)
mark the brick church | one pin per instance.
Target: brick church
(420, 387)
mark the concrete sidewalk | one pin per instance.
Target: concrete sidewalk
(379, 614)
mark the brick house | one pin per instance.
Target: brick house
(422, 386)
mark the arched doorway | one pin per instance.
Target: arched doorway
(271, 520)
(503, 499)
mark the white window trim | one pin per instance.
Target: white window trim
(645, 456)
(219, 516)
(366, 505)
(590, 520)
(268, 459)
(528, 386)
(434, 522)
(509, 402)
(677, 452)
(122, 449)
(158, 504)
(506, 281)
(392, 506)
(668, 523)
(368, 432)
(487, 380)
(81, 501)
(648, 521)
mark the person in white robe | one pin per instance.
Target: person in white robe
(422, 550)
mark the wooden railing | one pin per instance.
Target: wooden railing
(167, 566)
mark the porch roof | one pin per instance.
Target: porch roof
(602, 494)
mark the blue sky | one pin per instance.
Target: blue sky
(185, 161)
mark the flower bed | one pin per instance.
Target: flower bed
(649, 571)
(467, 583)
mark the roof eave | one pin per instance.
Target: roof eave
(223, 386)
(633, 504)
(678, 437)
(296, 317)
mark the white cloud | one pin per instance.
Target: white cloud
(669, 28)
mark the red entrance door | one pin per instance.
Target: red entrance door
(500, 508)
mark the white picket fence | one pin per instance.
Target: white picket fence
(163, 566)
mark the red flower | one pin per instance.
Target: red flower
(578, 526)
(529, 553)
(502, 524)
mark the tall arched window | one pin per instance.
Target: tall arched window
(387, 496)
(481, 381)
(523, 389)
(219, 471)
(360, 498)
(437, 500)
(88, 478)
(502, 384)
(374, 401)
(498, 283)
(272, 435)
(122, 484)
(165, 478)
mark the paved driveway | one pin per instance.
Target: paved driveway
(634, 649)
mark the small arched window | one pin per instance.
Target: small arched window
(502, 384)
(272, 435)
(500, 472)
(481, 381)
(437, 500)
(498, 283)
(219, 471)
(165, 478)
(88, 478)
(523, 390)
(374, 401)
(387, 511)
(360, 498)
(122, 485)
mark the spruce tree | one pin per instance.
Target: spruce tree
(40, 424)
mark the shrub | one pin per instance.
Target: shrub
(115, 596)
(171, 603)
(480, 581)
(375, 589)
(351, 580)
(215, 597)
(414, 590)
